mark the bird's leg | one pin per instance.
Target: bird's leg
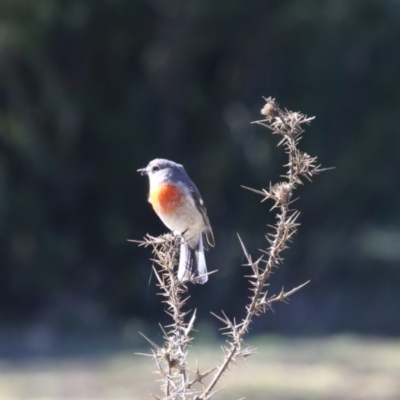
(182, 235)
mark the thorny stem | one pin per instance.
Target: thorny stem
(288, 125)
(250, 311)
(171, 359)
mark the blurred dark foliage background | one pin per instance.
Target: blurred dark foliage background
(90, 91)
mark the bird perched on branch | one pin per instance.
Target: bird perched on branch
(177, 201)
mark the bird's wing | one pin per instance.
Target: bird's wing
(203, 211)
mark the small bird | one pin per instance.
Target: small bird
(177, 201)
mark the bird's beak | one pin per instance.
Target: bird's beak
(143, 171)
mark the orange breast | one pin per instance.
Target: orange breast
(166, 198)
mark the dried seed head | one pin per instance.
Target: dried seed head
(283, 193)
(270, 108)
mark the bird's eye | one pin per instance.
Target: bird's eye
(155, 168)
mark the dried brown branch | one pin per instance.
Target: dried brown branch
(170, 359)
(289, 125)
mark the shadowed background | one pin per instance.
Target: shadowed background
(90, 91)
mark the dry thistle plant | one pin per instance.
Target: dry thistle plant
(177, 380)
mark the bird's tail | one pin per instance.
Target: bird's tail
(192, 262)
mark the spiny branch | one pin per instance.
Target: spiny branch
(289, 125)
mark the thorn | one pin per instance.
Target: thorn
(261, 192)
(245, 250)
(190, 324)
(150, 341)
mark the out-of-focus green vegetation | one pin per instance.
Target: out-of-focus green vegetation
(332, 368)
(91, 91)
